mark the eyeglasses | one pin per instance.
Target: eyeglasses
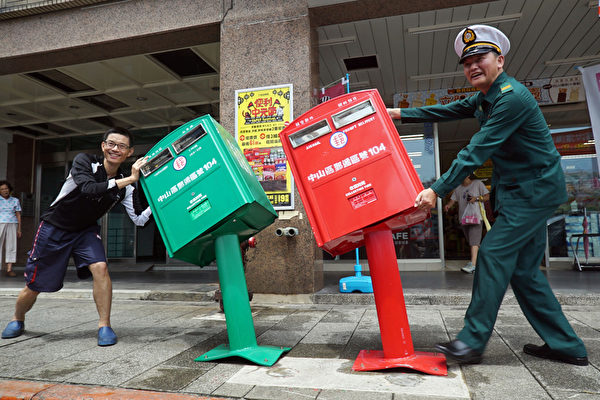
(110, 144)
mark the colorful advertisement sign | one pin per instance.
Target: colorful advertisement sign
(567, 89)
(261, 113)
(574, 141)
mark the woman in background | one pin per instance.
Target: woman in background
(10, 226)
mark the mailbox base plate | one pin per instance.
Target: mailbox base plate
(261, 355)
(429, 363)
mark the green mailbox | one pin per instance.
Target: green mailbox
(199, 186)
(206, 200)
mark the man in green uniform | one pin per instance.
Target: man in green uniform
(529, 184)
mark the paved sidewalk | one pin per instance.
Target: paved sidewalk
(58, 358)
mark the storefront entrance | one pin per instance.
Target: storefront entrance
(418, 247)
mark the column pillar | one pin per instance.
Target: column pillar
(264, 43)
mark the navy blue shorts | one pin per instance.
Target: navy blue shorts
(48, 259)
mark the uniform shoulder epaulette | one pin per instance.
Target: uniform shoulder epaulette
(506, 88)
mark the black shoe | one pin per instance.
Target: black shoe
(546, 352)
(460, 352)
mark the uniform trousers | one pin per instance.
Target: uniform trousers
(511, 252)
(8, 242)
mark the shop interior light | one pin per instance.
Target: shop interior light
(412, 137)
(310, 133)
(577, 156)
(337, 41)
(353, 114)
(437, 76)
(461, 24)
(573, 60)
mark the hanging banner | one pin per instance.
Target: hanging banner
(591, 83)
(260, 115)
(567, 89)
(334, 90)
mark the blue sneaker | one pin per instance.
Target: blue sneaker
(106, 336)
(13, 329)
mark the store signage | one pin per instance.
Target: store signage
(261, 113)
(567, 89)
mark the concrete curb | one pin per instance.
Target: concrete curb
(411, 297)
(131, 294)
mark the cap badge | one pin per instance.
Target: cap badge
(468, 36)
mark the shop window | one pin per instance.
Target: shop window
(420, 241)
(582, 209)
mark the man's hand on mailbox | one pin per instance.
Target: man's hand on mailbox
(426, 199)
(395, 113)
(137, 165)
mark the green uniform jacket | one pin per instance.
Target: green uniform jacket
(514, 134)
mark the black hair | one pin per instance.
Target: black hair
(7, 183)
(119, 131)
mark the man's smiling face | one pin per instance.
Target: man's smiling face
(481, 70)
(116, 148)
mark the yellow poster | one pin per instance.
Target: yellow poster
(261, 114)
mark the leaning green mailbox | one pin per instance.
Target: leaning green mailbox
(199, 186)
(206, 200)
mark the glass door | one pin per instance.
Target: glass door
(51, 177)
(120, 234)
(422, 241)
(581, 212)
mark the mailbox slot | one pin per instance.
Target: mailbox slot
(310, 133)
(157, 161)
(353, 114)
(188, 139)
(200, 186)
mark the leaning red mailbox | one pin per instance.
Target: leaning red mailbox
(358, 184)
(352, 170)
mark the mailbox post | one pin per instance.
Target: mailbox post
(357, 184)
(206, 200)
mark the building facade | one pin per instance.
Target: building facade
(71, 69)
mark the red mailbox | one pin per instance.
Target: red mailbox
(358, 184)
(352, 170)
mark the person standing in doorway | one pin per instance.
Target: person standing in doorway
(69, 228)
(10, 227)
(528, 183)
(471, 191)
